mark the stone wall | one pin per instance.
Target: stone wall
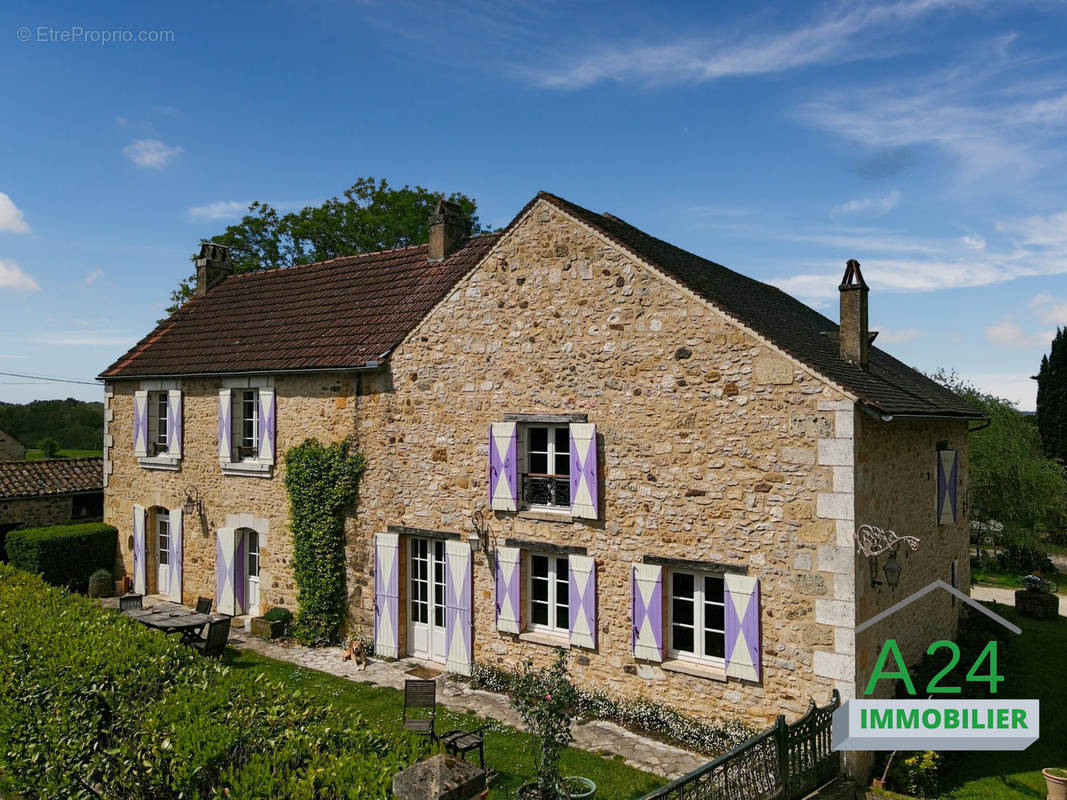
(709, 450)
(317, 405)
(11, 449)
(36, 512)
(896, 489)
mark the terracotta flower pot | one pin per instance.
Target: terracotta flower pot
(1055, 785)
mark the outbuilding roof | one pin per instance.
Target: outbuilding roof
(50, 477)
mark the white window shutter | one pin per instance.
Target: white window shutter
(508, 589)
(140, 424)
(225, 427)
(503, 466)
(174, 580)
(459, 630)
(174, 423)
(387, 595)
(582, 599)
(266, 433)
(225, 597)
(742, 627)
(140, 565)
(585, 487)
(647, 612)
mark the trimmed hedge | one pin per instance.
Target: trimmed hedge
(64, 555)
(94, 705)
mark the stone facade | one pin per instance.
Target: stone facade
(11, 449)
(36, 512)
(713, 447)
(307, 406)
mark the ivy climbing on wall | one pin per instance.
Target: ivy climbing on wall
(322, 483)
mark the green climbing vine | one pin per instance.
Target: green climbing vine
(322, 483)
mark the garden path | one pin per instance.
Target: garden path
(999, 594)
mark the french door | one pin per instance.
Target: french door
(426, 599)
(162, 552)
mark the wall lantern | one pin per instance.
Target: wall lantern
(481, 539)
(193, 504)
(874, 542)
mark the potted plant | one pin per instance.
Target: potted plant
(546, 701)
(1055, 782)
(273, 624)
(101, 583)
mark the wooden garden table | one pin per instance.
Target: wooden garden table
(170, 618)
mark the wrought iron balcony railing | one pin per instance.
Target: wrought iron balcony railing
(546, 490)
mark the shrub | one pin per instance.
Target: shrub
(280, 614)
(64, 555)
(917, 774)
(48, 446)
(94, 705)
(1025, 558)
(546, 701)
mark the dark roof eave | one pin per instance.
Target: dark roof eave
(885, 415)
(368, 367)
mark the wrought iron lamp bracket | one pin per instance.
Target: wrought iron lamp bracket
(873, 542)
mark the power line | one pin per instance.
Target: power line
(46, 378)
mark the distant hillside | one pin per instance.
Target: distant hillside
(75, 424)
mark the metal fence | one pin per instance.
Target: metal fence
(785, 762)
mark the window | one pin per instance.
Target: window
(546, 480)
(549, 590)
(697, 617)
(157, 423)
(246, 424)
(427, 556)
(252, 543)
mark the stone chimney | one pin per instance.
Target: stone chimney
(854, 337)
(213, 266)
(448, 230)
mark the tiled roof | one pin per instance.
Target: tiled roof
(887, 385)
(332, 314)
(52, 476)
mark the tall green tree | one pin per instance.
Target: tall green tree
(1012, 483)
(1052, 398)
(370, 216)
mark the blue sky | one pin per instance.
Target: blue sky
(923, 137)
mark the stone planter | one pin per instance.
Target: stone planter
(1037, 605)
(265, 629)
(102, 586)
(1055, 785)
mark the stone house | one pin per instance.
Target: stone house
(577, 435)
(59, 491)
(11, 449)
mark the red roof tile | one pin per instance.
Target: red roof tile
(52, 476)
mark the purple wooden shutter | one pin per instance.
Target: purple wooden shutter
(140, 565)
(508, 582)
(140, 424)
(174, 423)
(582, 599)
(225, 427)
(503, 466)
(585, 491)
(742, 602)
(266, 414)
(174, 581)
(647, 609)
(386, 595)
(224, 588)
(240, 564)
(947, 486)
(458, 621)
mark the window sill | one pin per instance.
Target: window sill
(694, 669)
(160, 462)
(545, 638)
(544, 515)
(255, 469)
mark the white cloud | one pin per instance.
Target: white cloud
(11, 356)
(1010, 334)
(1018, 388)
(974, 241)
(151, 153)
(899, 337)
(1049, 309)
(12, 277)
(122, 122)
(11, 220)
(109, 338)
(835, 37)
(91, 278)
(222, 209)
(876, 206)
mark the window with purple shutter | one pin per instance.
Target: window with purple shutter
(267, 426)
(742, 627)
(503, 467)
(140, 424)
(582, 601)
(174, 423)
(225, 429)
(647, 611)
(585, 487)
(225, 590)
(508, 583)
(140, 564)
(174, 560)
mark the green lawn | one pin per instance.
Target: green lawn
(506, 750)
(37, 455)
(1033, 666)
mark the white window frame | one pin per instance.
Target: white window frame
(699, 655)
(555, 579)
(524, 436)
(158, 423)
(158, 391)
(248, 467)
(238, 420)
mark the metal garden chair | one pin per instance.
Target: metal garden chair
(420, 695)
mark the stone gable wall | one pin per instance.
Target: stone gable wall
(709, 445)
(11, 449)
(36, 512)
(319, 405)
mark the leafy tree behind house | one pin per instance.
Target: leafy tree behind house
(75, 424)
(371, 216)
(1012, 483)
(1052, 398)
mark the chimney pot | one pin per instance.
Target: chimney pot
(853, 335)
(449, 228)
(213, 266)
